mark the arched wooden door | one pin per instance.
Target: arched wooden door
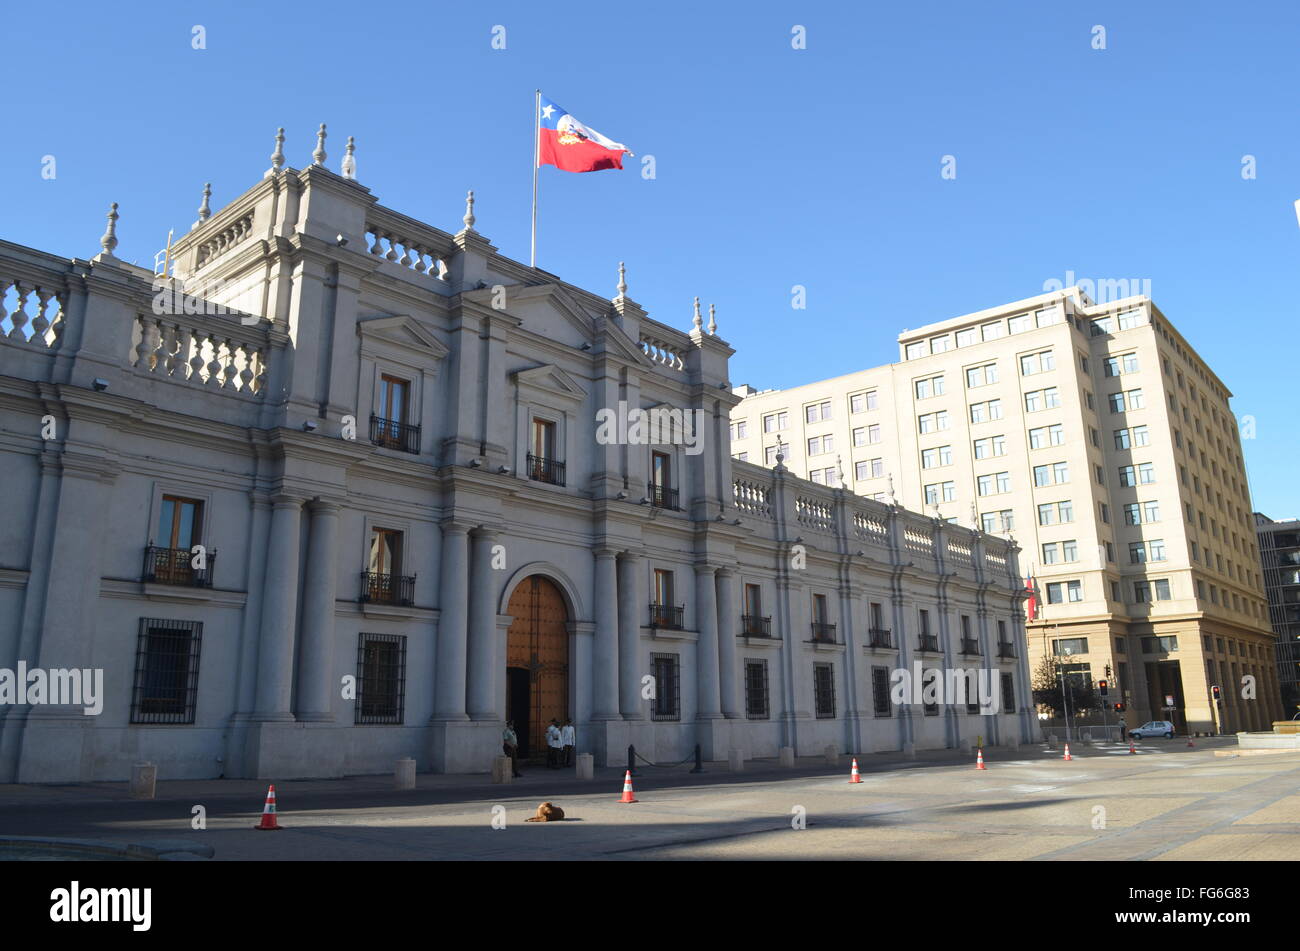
(537, 662)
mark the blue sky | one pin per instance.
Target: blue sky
(774, 166)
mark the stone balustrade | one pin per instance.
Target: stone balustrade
(419, 249)
(215, 352)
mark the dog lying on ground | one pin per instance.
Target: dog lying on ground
(547, 812)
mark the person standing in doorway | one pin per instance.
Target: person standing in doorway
(569, 738)
(510, 746)
(553, 745)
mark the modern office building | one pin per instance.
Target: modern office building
(1098, 438)
(1279, 550)
(338, 487)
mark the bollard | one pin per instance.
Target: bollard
(586, 766)
(502, 770)
(786, 756)
(699, 760)
(736, 761)
(404, 775)
(631, 759)
(143, 778)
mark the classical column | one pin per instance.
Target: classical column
(453, 621)
(604, 669)
(279, 612)
(706, 649)
(483, 629)
(318, 613)
(629, 634)
(728, 628)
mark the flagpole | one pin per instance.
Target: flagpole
(537, 142)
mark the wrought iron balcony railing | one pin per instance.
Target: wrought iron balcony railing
(880, 637)
(668, 616)
(662, 497)
(545, 470)
(754, 625)
(394, 434)
(970, 645)
(928, 643)
(379, 588)
(823, 633)
(176, 566)
(1006, 649)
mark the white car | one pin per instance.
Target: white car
(1154, 728)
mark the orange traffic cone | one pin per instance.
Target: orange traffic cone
(1068, 757)
(1189, 740)
(979, 758)
(268, 812)
(1131, 748)
(627, 788)
(853, 774)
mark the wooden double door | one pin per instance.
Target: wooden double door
(537, 662)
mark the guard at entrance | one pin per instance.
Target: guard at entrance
(569, 739)
(510, 746)
(553, 745)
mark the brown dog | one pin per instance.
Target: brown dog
(547, 812)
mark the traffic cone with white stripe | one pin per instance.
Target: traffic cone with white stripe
(1068, 757)
(853, 774)
(268, 822)
(627, 788)
(979, 758)
(1189, 740)
(1131, 747)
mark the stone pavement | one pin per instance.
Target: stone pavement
(1166, 802)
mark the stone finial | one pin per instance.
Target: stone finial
(622, 280)
(697, 320)
(277, 157)
(713, 320)
(349, 164)
(974, 518)
(109, 241)
(205, 211)
(839, 460)
(318, 157)
(893, 499)
(469, 218)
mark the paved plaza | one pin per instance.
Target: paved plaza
(1166, 802)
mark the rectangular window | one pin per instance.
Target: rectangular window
(664, 588)
(166, 671)
(1041, 362)
(180, 523)
(981, 375)
(381, 678)
(1151, 511)
(667, 702)
(1116, 402)
(915, 350)
(966, 337)
(1146, 473)
(824, 691)
(756, 702)
(992, 331)
(775, 422)
(880, 700)
(1058, 592)
(1067, 646)
(1141, 436)
(1127, 476)
(873, 433)
(1018, 324)
(940, 344)
(1134, 398)
(1008, 693)
(1162, 589)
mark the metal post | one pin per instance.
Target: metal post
(631, 759)
(699, 763)
(537, 155)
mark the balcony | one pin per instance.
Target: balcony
(387, 589)
(927, 643)
(970, 646)
(394, 434)
(667, 616)
(753, 625)
(880, 637)
(176, 566)
(545, 470)
(823, 633)
(1006, 649)
(662, 497)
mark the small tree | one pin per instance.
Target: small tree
(1046, 686)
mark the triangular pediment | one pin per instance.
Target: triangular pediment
(551, 380)
(544, 309)
(404, 332)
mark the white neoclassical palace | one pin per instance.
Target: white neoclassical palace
(336, 487)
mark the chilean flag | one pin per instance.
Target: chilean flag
(1031, 603)
(569, 145)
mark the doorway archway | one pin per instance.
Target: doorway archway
(537, 662)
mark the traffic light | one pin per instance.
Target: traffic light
(1215, 690)
(1119, 708)
(1101, 687)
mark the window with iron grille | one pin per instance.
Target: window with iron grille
(756, 705)
(166, 671)
(930, 686)
(880, 691)
(970, 684)
(1009, 694)
(824, 690)
(381, 678)
(666, 669)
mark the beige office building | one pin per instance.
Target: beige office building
(1098, 438)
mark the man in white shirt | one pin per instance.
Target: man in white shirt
(569, 738)
(553, 745)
